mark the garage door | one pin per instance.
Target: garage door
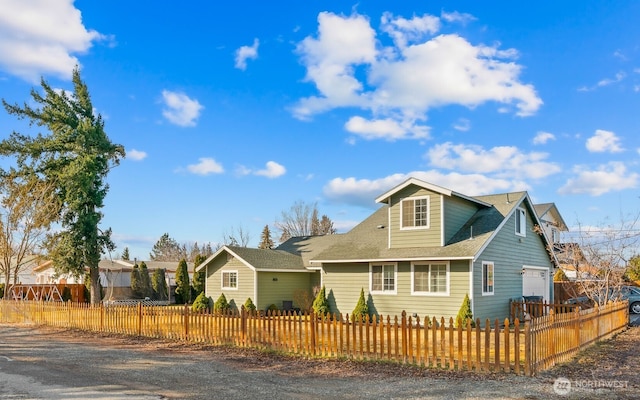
(535, 282)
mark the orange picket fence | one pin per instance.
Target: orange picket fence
(498, 346)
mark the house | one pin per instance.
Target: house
(551, 221)
(115, 276)
(26, 274)
(422, 251)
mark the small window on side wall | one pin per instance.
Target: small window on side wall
(521, 222)
(230, 280)
(487, 278)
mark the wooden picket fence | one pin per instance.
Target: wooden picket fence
(498, 346)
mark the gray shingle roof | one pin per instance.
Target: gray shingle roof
(267, 259)
(369, 239)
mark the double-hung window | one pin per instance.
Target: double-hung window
(383, 278)
(415, 213)
(521, 222)
(430, 278)
(230, 280)
(487, 278)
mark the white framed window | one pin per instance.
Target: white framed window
(487, 278)
(415, 213)
(230, 280)
(383, 278)
(521, 222)
(430, 278)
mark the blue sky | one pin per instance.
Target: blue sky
(232, 111)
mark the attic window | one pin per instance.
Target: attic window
(415, 213)
(521, 222)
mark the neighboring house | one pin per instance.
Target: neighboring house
(421, 252)
(26, 274)
(551, 221)
(115, 276)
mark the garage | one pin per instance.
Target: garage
(535, 282)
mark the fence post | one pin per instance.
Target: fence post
(527, 346)
(314, 321)
(139, 319)
(186, 321)
(243, 325)
(403, 325)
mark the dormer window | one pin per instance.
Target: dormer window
(415, 213)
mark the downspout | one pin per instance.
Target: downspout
(471, 296)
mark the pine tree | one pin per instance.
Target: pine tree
(167, 249)
(199, 277)
(125, 254)
(265, 239)
(320, 304)
(362, 310)
(159, 285)
(136, 281)
(145, 281)
(465, 313)
(183, 289)
(75, 158)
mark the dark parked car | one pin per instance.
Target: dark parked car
(631, 293)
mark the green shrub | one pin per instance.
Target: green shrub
(1, 290)
(272, 308)
(465, 313)
(221, 305)
(249, 306)
(320, 304)
(362, 310)
(66, 294)
(201, 303)
(560, 276)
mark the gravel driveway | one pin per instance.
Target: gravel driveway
(46, 363)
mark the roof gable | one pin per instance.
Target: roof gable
(384, 198)
(259, 259)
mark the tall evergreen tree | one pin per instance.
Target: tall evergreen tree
(159, 284)
(167, 249)
(183, 289)
(136, 281)
(75, 158)
(198, 276)
(265, 239)
(125, 254)
(145, 281)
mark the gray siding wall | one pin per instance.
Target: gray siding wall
(213, 288)
(509, 252)
(415, 237)
(281, 289)
(344, 281)
(457, 212)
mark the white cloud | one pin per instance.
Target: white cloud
(388, 128)
(206, 166)
(363, 191)
(501, 161)
(462, 125)
(456, 16)
(180, 109)
(41, 37)
(604, 141)
(245, 53)
(543, 137)
(136, 155)
(402, 82)
(271, 170)
(607, 178)
(604, 82)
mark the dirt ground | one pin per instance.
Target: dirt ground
(46, 363)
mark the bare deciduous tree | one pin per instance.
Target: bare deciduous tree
(302, 220)
(237, 237)
(28, 208)
(599, 256)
